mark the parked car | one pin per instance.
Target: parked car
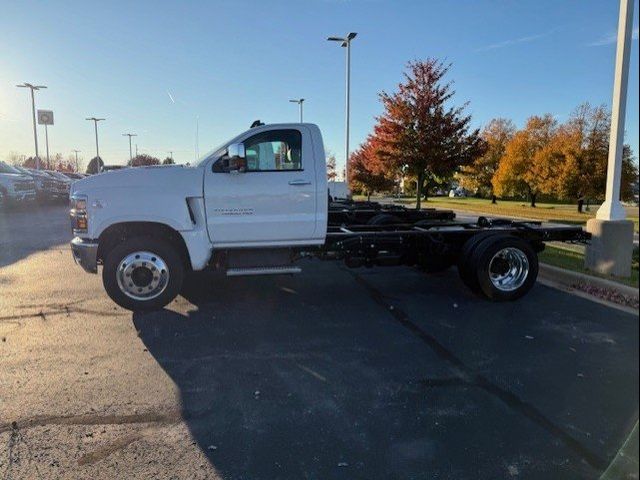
(15, 186)
(46, 189)
(110, 168)
(72, 175)
(62, 184)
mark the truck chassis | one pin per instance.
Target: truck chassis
(496, 258)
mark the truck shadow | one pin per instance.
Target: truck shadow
(277, 382)
(307, 377)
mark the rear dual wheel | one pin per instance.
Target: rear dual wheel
(501, 267)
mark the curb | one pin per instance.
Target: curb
(569, 278)
(571, 282)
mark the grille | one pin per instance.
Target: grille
(24, 186)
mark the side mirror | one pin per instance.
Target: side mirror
(237, 158)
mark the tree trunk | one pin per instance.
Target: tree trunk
(533, 199)
(493, 199)
(368, 196)
(419, 190)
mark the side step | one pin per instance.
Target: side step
(238, 272)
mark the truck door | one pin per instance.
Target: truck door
(273, 201)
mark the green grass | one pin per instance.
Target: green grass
(574, 260)
(546, 212)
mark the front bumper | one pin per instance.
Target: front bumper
(22, 196)
(85, 254)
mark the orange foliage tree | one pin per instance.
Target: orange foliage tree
(477, 176)
(368, 172)
(530, 161)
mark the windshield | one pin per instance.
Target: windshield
(211, 154)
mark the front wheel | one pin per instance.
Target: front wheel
(143, 273)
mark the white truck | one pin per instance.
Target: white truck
(257, 204)
(15, 186)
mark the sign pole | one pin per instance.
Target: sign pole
(46, 137)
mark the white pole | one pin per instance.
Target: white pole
(35, 130)
(95, 126)
(346, 142)
(612, 208)
(46, 136)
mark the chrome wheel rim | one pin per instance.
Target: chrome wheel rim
(142, 275)
(509, 269)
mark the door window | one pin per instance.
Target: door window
(274, 151)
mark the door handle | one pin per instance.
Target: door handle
(298, 183)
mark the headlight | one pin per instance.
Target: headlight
(78, 213)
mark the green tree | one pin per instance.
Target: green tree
(95, 165)
(168, 161)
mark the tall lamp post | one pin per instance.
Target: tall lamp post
(130, 151)
(76, 152)
(33, 112)
(611, 247)
(95, 125)
(346, 43)
(299, 101)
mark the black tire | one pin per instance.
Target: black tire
(384, 219)
(466, 269)
(482, 258)
(164, 250)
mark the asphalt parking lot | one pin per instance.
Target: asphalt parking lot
(334, 373)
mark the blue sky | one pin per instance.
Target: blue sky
(153, 68)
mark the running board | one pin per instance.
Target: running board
(238, 272)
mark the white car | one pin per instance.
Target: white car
(15, 186)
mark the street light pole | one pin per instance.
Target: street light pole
(346, 42)
(612, 209)
(33, 112)
(299, 101)
(95, 124)
(76, 152)
(46, 140)
(130, 151)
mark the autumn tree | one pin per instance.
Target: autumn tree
(331, 167)
(143, 160)
(584, 143)
(367, 171)
(530, 161)
(477, 176)
(95, 165)
(16, 158)
(31, 162)
(420, 132)
(168, 161)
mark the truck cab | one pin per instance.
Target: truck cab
(267, 188)
(245, 204)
